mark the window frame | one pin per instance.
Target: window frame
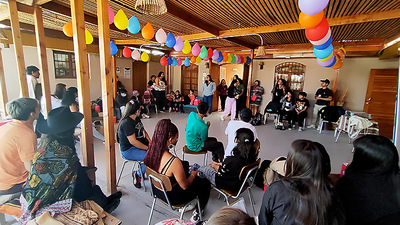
(70, 68)
(290, 73)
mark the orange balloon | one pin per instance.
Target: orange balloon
(193, 59)
(338, 64)
(67, 29)
(225, 57)
(310, 21)
(148, 31)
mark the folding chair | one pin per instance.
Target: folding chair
(135, 162)
(188, 151)
(150, 104)
(247, 175)
(163, 183)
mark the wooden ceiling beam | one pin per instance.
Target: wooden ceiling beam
(41, 2)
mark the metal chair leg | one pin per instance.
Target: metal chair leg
(227, 200)
(151, 212)
(205, 158)
(141, 174)
(122, 169)
(251, 201)
(199, 208)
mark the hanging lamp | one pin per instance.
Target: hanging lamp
(152, 7)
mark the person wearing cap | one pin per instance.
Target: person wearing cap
(324, 98)
(300, 109)
(245, 117)
(18, 146)
(32, 76)
(56, 175)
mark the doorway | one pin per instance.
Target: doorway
(214, 71)
(139, 73)
(380, 100)
(189, 79)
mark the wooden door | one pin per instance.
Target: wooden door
(214, 72)
(380, 100)
(139, 74)
(189, 79)
(246, 74)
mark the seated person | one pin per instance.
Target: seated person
(191, 96)
(370, 188)
(300, 109)
(225, 175)
(56, 175)
(287, 108)
(143, 110)
(178, 103)
(197, 134)
(133, 138)
(230, 216)
(185, 187)
(171, 101)
(122, 99)
(18, 146)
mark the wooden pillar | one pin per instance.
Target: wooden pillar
(41, 48)
(107, 90)
(3, 91)
(19, 53)
(82, 72)
(250, 79)
(114, 74)
(334, 87)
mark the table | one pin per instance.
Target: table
(349, 125)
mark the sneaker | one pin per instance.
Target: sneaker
(170, 109)
(146, 116)
(300, 129)
(195, 217)
(189, 208)
(311, 126)
(222, 118)
(137, 181)
(289, 128)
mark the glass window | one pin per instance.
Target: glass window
(293, 73)
(64, 64)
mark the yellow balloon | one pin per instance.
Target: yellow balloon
(144, 57)
(327, 58)
(229, 58)
(187, 48)
(88, 37)
(198, 59)
(121, 20)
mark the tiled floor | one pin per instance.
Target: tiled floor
(135, 203)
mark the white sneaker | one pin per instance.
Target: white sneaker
(300, 129)
(311, 126)
(170, 109)
(189, 208)
(222, 118)
(289, 128)
(195, 217)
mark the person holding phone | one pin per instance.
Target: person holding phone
(225, 175)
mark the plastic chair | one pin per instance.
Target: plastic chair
(135, 162)
(247, 175)
(150, 104)
(163, 183)
(188, 151)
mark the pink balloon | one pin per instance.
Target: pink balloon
(135, 54)
(179, 44)
(110, 15)
(179, 61)
(161, 36)
(238, 59)
(215, 55)
(196, 49)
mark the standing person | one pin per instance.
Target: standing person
(245, 117)
(56, 97)
(197, 134)
(303, 196)
(150, 85)
(133, 138)
(209, 88)
(18, 146)
(302, 105)
(223, 93)
(240, 96)
(32, 76)
(256, 97)
(185, 187)
(159, 90)
(287, 109)
(277, 92)
(370, 188)
(324, 98)
(230, 106)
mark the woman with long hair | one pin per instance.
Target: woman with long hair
(185, 187)
(256, 96)
(230, 106)
(287, 109)
(240, 96)
(209, 88)
(370, 188)
(303, 196)
(159, 90)
(223, 93)
(133, 138)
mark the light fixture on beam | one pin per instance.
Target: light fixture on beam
(261, 49)
(152, 7)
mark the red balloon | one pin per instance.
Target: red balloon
(210, 53)
(242, 59)
(318, 32)
(127, 52)
(164, 61)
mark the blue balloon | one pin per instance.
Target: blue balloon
(113, 48)
(187, 62)
(333, 63)
(134, 25)
(221, 57)
(248, 60)
(169, 61)
(325, 45)
(174, 62)
(171, 41)
(324, 53)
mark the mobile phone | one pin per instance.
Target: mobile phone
(195, 167)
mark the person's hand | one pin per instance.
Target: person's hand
(194, 173)
(208, 123)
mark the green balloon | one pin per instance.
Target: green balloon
(203, 52)
(233, 59)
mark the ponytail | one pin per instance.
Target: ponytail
(245, 145)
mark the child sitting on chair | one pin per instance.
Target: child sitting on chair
(225, 175)
(301, 109)
(191, 96)
(171, 101)
(178, 104)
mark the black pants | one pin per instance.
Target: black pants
(212, 145)
(288, 114)
(240, 104)
(223, 99)
(300, 117)
(160, 99)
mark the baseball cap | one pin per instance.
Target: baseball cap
(246, 115)
(325, 81)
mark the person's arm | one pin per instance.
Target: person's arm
(147, 136)
(204, 132)
(262, 91)
(180, 175)
(283, 99)
(73, 107)
(215, 165)
(157, 83)
(135, 142)
(28, 165)
(213, 87)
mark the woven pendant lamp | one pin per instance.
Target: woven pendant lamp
(152, 7)
(260, 51)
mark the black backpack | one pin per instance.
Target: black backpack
(257, 120)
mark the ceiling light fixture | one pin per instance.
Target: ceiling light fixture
(261, 49)
(152, 7)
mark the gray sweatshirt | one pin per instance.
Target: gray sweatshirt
(209, 89)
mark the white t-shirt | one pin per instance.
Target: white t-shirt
(231, 129)
(55, 103)
(32, 82)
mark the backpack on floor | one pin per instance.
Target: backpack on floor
(257, 120)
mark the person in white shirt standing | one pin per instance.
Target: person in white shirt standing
(56, 98)
(245, 117)
(32, 76)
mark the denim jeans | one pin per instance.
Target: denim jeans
(135, 154)
(207, 172)
(208, 99)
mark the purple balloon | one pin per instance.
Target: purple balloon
(327, 62)
(333, 63)
(312, 7)
(179, 44)
(215, 55)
